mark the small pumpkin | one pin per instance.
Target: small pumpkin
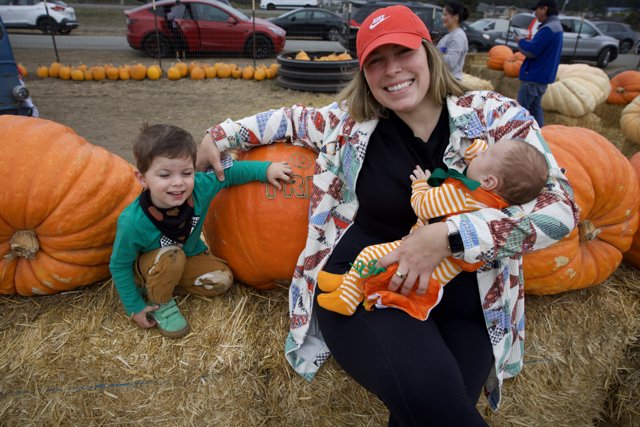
(154, 72)
(54, 69)
(88, 74)
(577, 91)
(210, 72)
(630, 121)
(247, 72)
(197, 73)
(23, 70)
(624, 87)
(223, 71)
(65, 72)
(260, 74)
(124, 73)
(42, 72)
(497, 55)
(246, 223)
(632, 256)
(183, 68)
(77, 74)
(512, 65)
(98, 73)
(138, 72)
(173, 73)
(607, 191)
(58, 209)
(236, 72)
(113, 73)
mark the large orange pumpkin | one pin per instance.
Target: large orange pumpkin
(497, 55)
(259, 230)
(607, 191)
(624, 87)
(512, 65)
(60, 200)
(632, 256)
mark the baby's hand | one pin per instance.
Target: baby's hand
(141, 317)
(279, 171)
(419, 175)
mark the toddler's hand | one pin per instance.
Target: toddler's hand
(419, 175)
(141, 317)
(279, 171)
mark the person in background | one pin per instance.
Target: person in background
(177, 40)
(542, 58)
(454, 45)
(404, 108)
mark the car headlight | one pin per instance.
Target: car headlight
(20, 93)
(486, 36)
(277, 30)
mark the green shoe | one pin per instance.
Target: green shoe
(170, 322)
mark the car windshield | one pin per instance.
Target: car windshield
(481, 24)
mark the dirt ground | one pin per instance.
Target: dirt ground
(109, 113)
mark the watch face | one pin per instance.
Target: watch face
(455, 243)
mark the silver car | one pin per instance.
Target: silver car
(582, 40)
(52, 16)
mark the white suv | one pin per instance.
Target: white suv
(33, 14)
(286, 4)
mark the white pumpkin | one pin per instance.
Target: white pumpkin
(630, 121)
(577, 91)
(475, 83)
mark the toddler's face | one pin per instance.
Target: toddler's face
(170, 181)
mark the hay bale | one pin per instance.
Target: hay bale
(475, 83)
(76, 357)
(609, 114)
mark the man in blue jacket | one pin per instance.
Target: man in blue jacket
(542, 57)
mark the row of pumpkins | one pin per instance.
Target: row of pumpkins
(50, 245)
(177, 71)
(580, 88)
(304, 56)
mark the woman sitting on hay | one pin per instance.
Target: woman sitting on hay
(402, 109)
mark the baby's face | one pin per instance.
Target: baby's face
(170, 181)
(488, 161)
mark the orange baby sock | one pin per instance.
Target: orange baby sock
(343, 300)
(329, 282)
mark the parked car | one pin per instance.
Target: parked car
(353, 17)
(286, 4)
(490, 25)
(207, 26)
(581, 41)
(623, 32)
(33, 14)
(479, 41)
(310, 22)
(14, 96)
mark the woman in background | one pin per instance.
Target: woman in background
(454, 45)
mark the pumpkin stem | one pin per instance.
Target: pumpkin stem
(587, 231)
(23, 243)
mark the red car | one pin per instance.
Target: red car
(205, 26)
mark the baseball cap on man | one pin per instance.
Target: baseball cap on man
(543, 3)
(390, 25)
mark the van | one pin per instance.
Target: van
(286, 4)
(14, 96)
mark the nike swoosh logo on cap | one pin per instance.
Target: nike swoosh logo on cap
(377, 20)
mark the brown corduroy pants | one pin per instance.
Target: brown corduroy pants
(168, 269)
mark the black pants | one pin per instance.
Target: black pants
(427, 373)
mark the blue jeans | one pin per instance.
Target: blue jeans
(530, 97)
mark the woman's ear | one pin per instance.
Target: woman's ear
(489, 182)
(140, 178)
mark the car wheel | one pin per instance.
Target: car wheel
(46, 25)
(625, 46)
(64, 31)
(604, 57)
(156, 46)
(271, 6)
(474, 47)
(333, 34)
(264, 48)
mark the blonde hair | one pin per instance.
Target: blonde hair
(358, 101)
(523, 172)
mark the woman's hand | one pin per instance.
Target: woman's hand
(141, 317)
(417, 256)
(209, 155)
(279, 171)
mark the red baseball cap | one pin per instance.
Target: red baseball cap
(390, 25)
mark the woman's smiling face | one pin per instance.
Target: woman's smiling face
(398, 77)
